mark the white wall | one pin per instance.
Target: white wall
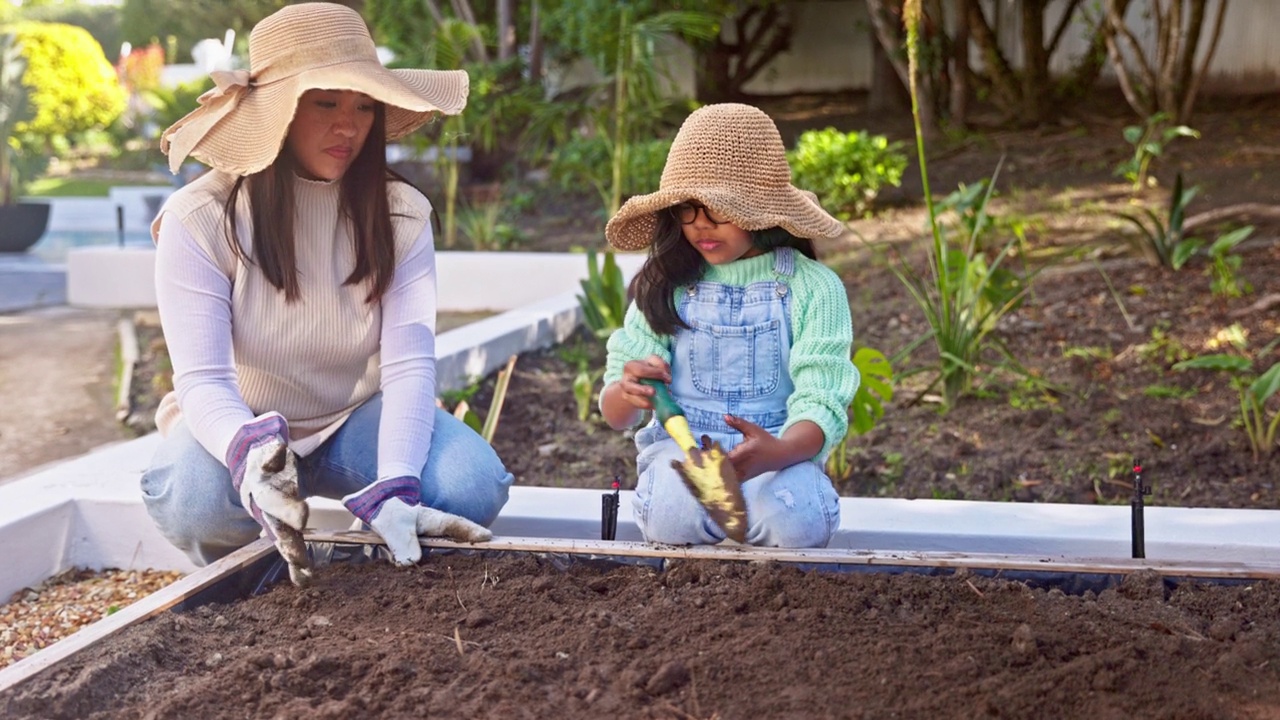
(831, 49)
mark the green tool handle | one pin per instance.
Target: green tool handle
(663, 403)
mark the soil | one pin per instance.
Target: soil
(517, 636)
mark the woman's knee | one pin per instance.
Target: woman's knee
(188, 495)
(464, 474)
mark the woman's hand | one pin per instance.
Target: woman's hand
(636, 393)
(760, 452)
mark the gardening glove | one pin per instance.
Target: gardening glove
(394, 509)
(265, 474)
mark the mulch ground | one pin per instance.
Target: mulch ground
(467, 636)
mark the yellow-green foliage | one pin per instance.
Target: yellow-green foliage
(73, 87)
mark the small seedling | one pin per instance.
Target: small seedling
(1260, 424)
(1148, 141)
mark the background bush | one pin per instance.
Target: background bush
(72, 86)
(584, 163)
(846, 171)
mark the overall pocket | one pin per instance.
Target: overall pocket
(736, 361)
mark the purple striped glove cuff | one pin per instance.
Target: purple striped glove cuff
(252, 434)
(366, 503)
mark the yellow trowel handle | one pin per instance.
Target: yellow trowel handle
(670, 414)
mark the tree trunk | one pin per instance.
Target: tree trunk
(887, 92)
(506, 29)
(890, 36)
(1036, 85)
(1193, 87)
(712, 77)
(1004, 81)
(960, 67)
(535, 44)
(725, 67)
(462, 8)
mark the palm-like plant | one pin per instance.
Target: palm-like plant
(14, 108)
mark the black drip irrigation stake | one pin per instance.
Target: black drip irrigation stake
(1136, 504)
(609, 512)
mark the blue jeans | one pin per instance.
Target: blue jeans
(796, 507)
(189, 494)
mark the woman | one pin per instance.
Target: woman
(296, 285)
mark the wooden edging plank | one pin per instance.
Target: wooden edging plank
(150, 605)
(838, 556)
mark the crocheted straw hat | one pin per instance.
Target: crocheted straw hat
(241, 124)
(730, 158)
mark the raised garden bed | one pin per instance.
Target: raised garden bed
(521, 635)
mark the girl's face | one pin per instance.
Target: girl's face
(714, 237)
(328, 130)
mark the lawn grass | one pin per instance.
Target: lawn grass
(71, 187)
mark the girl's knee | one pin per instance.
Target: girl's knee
(797, 508)
(667, 512)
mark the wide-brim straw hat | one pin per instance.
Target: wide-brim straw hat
(241, 124)
(730, 158)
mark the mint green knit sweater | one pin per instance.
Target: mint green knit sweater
(822, 336)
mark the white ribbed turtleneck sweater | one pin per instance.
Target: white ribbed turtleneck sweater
(239, 350)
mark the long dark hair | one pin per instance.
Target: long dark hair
(674, 263)
(362, 200)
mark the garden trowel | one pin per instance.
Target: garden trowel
(706, 471)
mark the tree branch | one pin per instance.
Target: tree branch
(1109, 31)
(434, 11)
(749, 67)
(889, 40)
(463, 10)
(1186, 61)
(1086, 71)
(1002, 77)
(1189, 97)
(1062, 26)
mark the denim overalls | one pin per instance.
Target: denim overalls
(733, 359)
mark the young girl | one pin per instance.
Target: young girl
(753, 335)
(296, 283)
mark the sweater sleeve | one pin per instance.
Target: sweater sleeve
(822, 370)
(408, 362)
(194, 298)
(635, 340)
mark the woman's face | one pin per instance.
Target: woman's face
(328, 130)
(714, 237)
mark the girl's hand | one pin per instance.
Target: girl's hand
(636, 393)
(760, 452)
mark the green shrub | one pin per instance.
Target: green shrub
(73, 87)
(171, 104)
(586, 162)
(846, 170)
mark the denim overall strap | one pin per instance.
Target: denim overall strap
(734, 356)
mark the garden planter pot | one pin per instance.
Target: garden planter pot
(482, 634)
(22, 225)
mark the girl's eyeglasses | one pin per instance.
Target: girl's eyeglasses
(687, 213)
